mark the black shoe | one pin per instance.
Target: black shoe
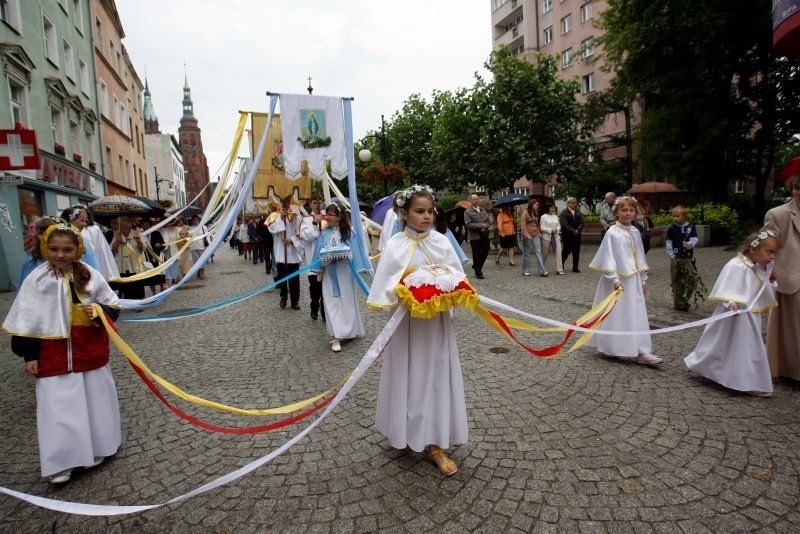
(479, 274)
(295, 306)
(283, 302)
(314, 314)
(323, 318)
(576, 270)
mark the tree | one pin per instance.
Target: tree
(711, 92)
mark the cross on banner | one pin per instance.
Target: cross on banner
(18, 150)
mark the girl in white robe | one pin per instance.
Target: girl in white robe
(621, 262)
(731, 351)
(421, 394)
(339, 291)
(55, 330)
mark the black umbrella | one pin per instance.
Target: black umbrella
(156, 209)
(513, 199)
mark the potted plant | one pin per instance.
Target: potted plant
(92, 166)
(77, 158)
(59, 149)
(19, 126)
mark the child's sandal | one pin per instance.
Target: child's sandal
(446, 466)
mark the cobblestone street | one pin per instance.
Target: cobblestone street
(577, 444)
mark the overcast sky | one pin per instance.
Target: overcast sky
(235, 50)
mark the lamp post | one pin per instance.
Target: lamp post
(365, 154)
(170, 190)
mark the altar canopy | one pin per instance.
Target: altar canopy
(313, 132)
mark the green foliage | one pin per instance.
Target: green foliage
(661, 218)
(591, 218)
(724, 221)
(717, 103)
(450, 200)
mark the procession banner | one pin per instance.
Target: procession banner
(313, 136)
(270, 169)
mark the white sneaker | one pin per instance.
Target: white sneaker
(336, 345)
(648, 359)
(62, 477)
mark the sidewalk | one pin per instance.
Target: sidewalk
(580, 443)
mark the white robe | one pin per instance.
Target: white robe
(280, 227)
(731, 352)
(342, 312)
(387, 230)
(421, 393)
(106, 262)
(621, 258)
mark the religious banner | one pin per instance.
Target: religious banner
(18, 150)
(270, 177)
(313, 135)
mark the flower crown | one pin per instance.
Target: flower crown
(402, 197)
(762, 235)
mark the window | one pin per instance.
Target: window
(551, 190)
(69, 60)
(547, 5)
(104, 99)
(55, 123)
(566, 57)
(587, 47)
(548, 35)
(63, 4)
(738, 186)
(77, 15)
(566, 24)
(115, 118)
(83, 71)
(19, 101)
(50, 41)
(9, 13)
(75, 137)
(587, 83)
(499, 3)
(586, 12)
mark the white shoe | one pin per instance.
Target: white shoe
(336, 345)
(648, 359)
(62, 477)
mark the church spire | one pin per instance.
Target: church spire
(187, 96)
(148, 112)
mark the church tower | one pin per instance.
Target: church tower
(149, 113)
(194, 159)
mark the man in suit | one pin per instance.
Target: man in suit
(571, 220)
(476, 221)
(607, 218)
(252, 234)
(783, 333)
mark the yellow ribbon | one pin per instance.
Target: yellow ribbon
(128, 352)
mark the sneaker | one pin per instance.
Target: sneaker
(648, 359)
(97, 461)
(62, 477)
(561, 272)
(760, 393)
(526, 274)
(336, 345)
(545, 274)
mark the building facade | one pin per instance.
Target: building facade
(194, 159)
(47, 85)
(167, 181)
(113, 72)
(566, 30)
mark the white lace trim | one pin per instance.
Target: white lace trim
(441, 276)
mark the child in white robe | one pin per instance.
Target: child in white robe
(55, 330)
(621, 262)
(421, 394)
(731, 351)
(339, 291)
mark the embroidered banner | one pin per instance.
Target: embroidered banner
(313, 134)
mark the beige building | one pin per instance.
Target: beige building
(118, 95)
(564, 29)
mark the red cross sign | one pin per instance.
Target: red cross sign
(18, 150)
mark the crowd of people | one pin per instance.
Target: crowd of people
(421, 401)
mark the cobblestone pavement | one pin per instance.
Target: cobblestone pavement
(579, 443)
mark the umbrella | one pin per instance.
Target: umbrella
(156, 209)
(790, 169)
(380, 208)
(118, 205)
(459, 209)
(653, 187)
(513, 199)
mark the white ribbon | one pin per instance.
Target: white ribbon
(369, 358)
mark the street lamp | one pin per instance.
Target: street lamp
(170, 190)
(365, 154)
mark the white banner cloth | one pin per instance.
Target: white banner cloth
(309, 123)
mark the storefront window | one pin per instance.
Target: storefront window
(30, 205)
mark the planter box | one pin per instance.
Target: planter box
(703, 235)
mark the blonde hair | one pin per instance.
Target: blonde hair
(679, 209)
(630, 201)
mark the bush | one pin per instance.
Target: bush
(591, 218)
(662, 218)
(724, 221)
